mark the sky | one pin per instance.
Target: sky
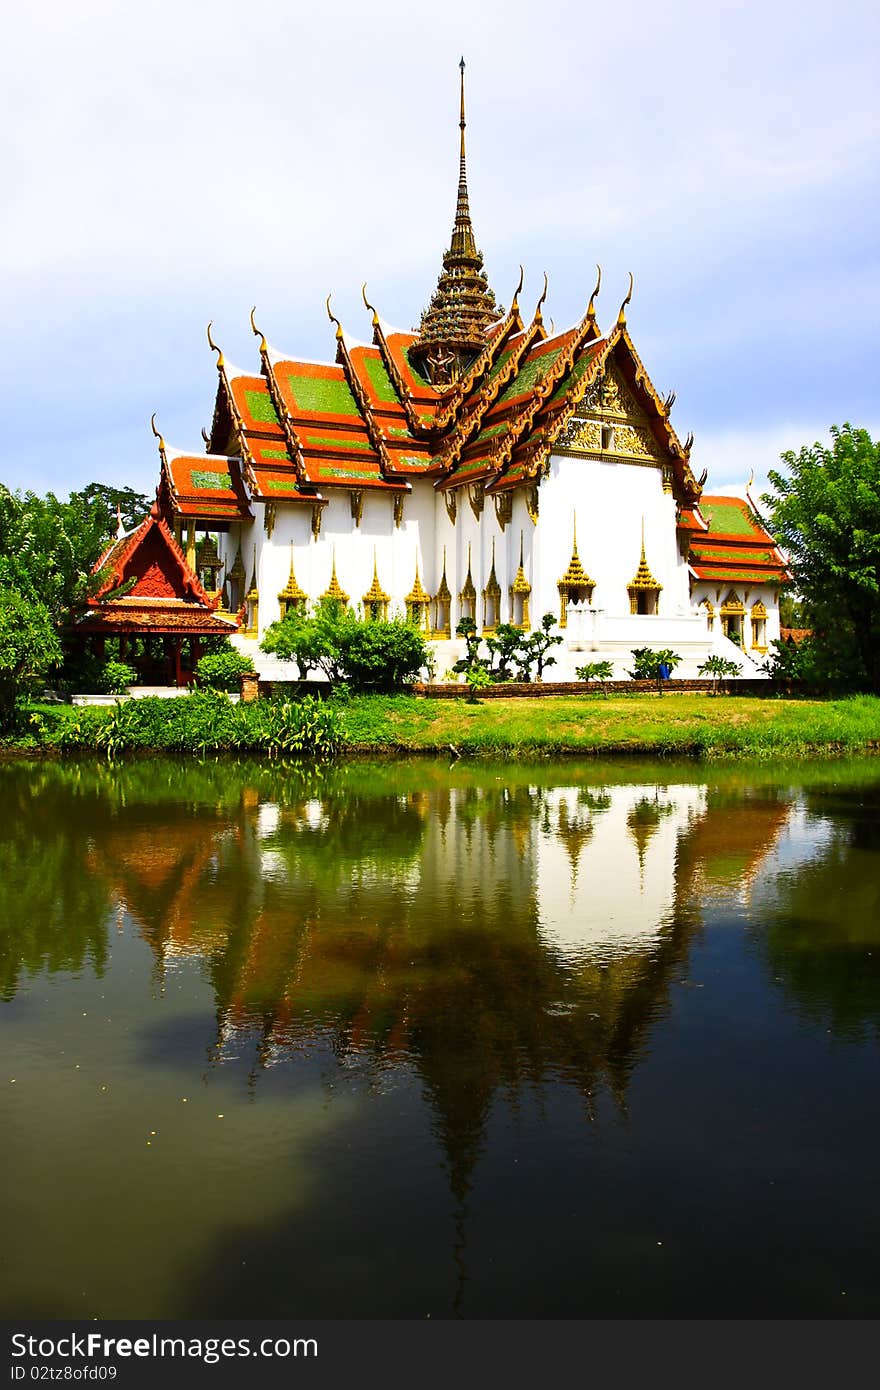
(172, 163)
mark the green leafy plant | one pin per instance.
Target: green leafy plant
(28, 648)
(536, 647)
(505, 648)
(208, 722)
(647, 663)
(223, 670)
(477, 678)
(381, 655)
(719, 668)
(601, 671)
(825, 512)
(117, 676)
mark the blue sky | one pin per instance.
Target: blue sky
(182, 161)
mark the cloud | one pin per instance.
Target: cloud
(180, 162)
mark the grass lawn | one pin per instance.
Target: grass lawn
(639, 723)
(691, 725)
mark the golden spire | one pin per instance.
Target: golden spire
(454, 325)
(375, 593)
(468, 591)
(492, 585)
(292, 593)
(443, 592)
(417, 593)
(335, 590)
(252, 591)
(644, 579)
(576, 576)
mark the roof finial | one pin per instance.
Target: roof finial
(333, 319)
(120, 529)
(591, 308)
(257, 333)
(371, 307)
(621, 317)
(538, 316)
(461, 118)
(514, 303)
(213, 346)
(156, 432)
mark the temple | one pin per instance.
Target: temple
(484, 466)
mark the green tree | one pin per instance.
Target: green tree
(719, 668)
(647, 663)
(536, 648)
(28, 647)
(825, 512)
(601, 671)
(368, 654)
(48, 547)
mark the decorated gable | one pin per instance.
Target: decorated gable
(609, 421)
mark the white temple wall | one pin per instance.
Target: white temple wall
(610, 500)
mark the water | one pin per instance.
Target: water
(409, 1040)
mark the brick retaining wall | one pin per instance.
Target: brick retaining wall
(511, 690)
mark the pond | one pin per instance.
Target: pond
(402, 1039)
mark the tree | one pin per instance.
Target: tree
(28, 647)
(537, 646)
(369, 655)
(825, 513)
(601, 671)
(504, 644)
(719, 668)
(48, 547)
(647, 663)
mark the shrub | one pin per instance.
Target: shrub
(367, 654)
(223, 670)
(719, 668)
(116, 677)
(601, 671)
(28, 647)
(208, 722)
(647, 663)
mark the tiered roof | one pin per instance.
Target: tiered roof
(145, 583)
(390, 409)
(736, 547)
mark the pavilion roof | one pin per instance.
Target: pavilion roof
(736, 548)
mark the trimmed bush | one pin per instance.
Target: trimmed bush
(223, 670)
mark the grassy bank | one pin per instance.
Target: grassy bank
(691, 725)
(675, 725)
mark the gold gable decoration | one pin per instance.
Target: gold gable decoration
(292, 596)
(609, 422)
(759, 627)
(376, 600)
(575, 586)
(520, 592)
